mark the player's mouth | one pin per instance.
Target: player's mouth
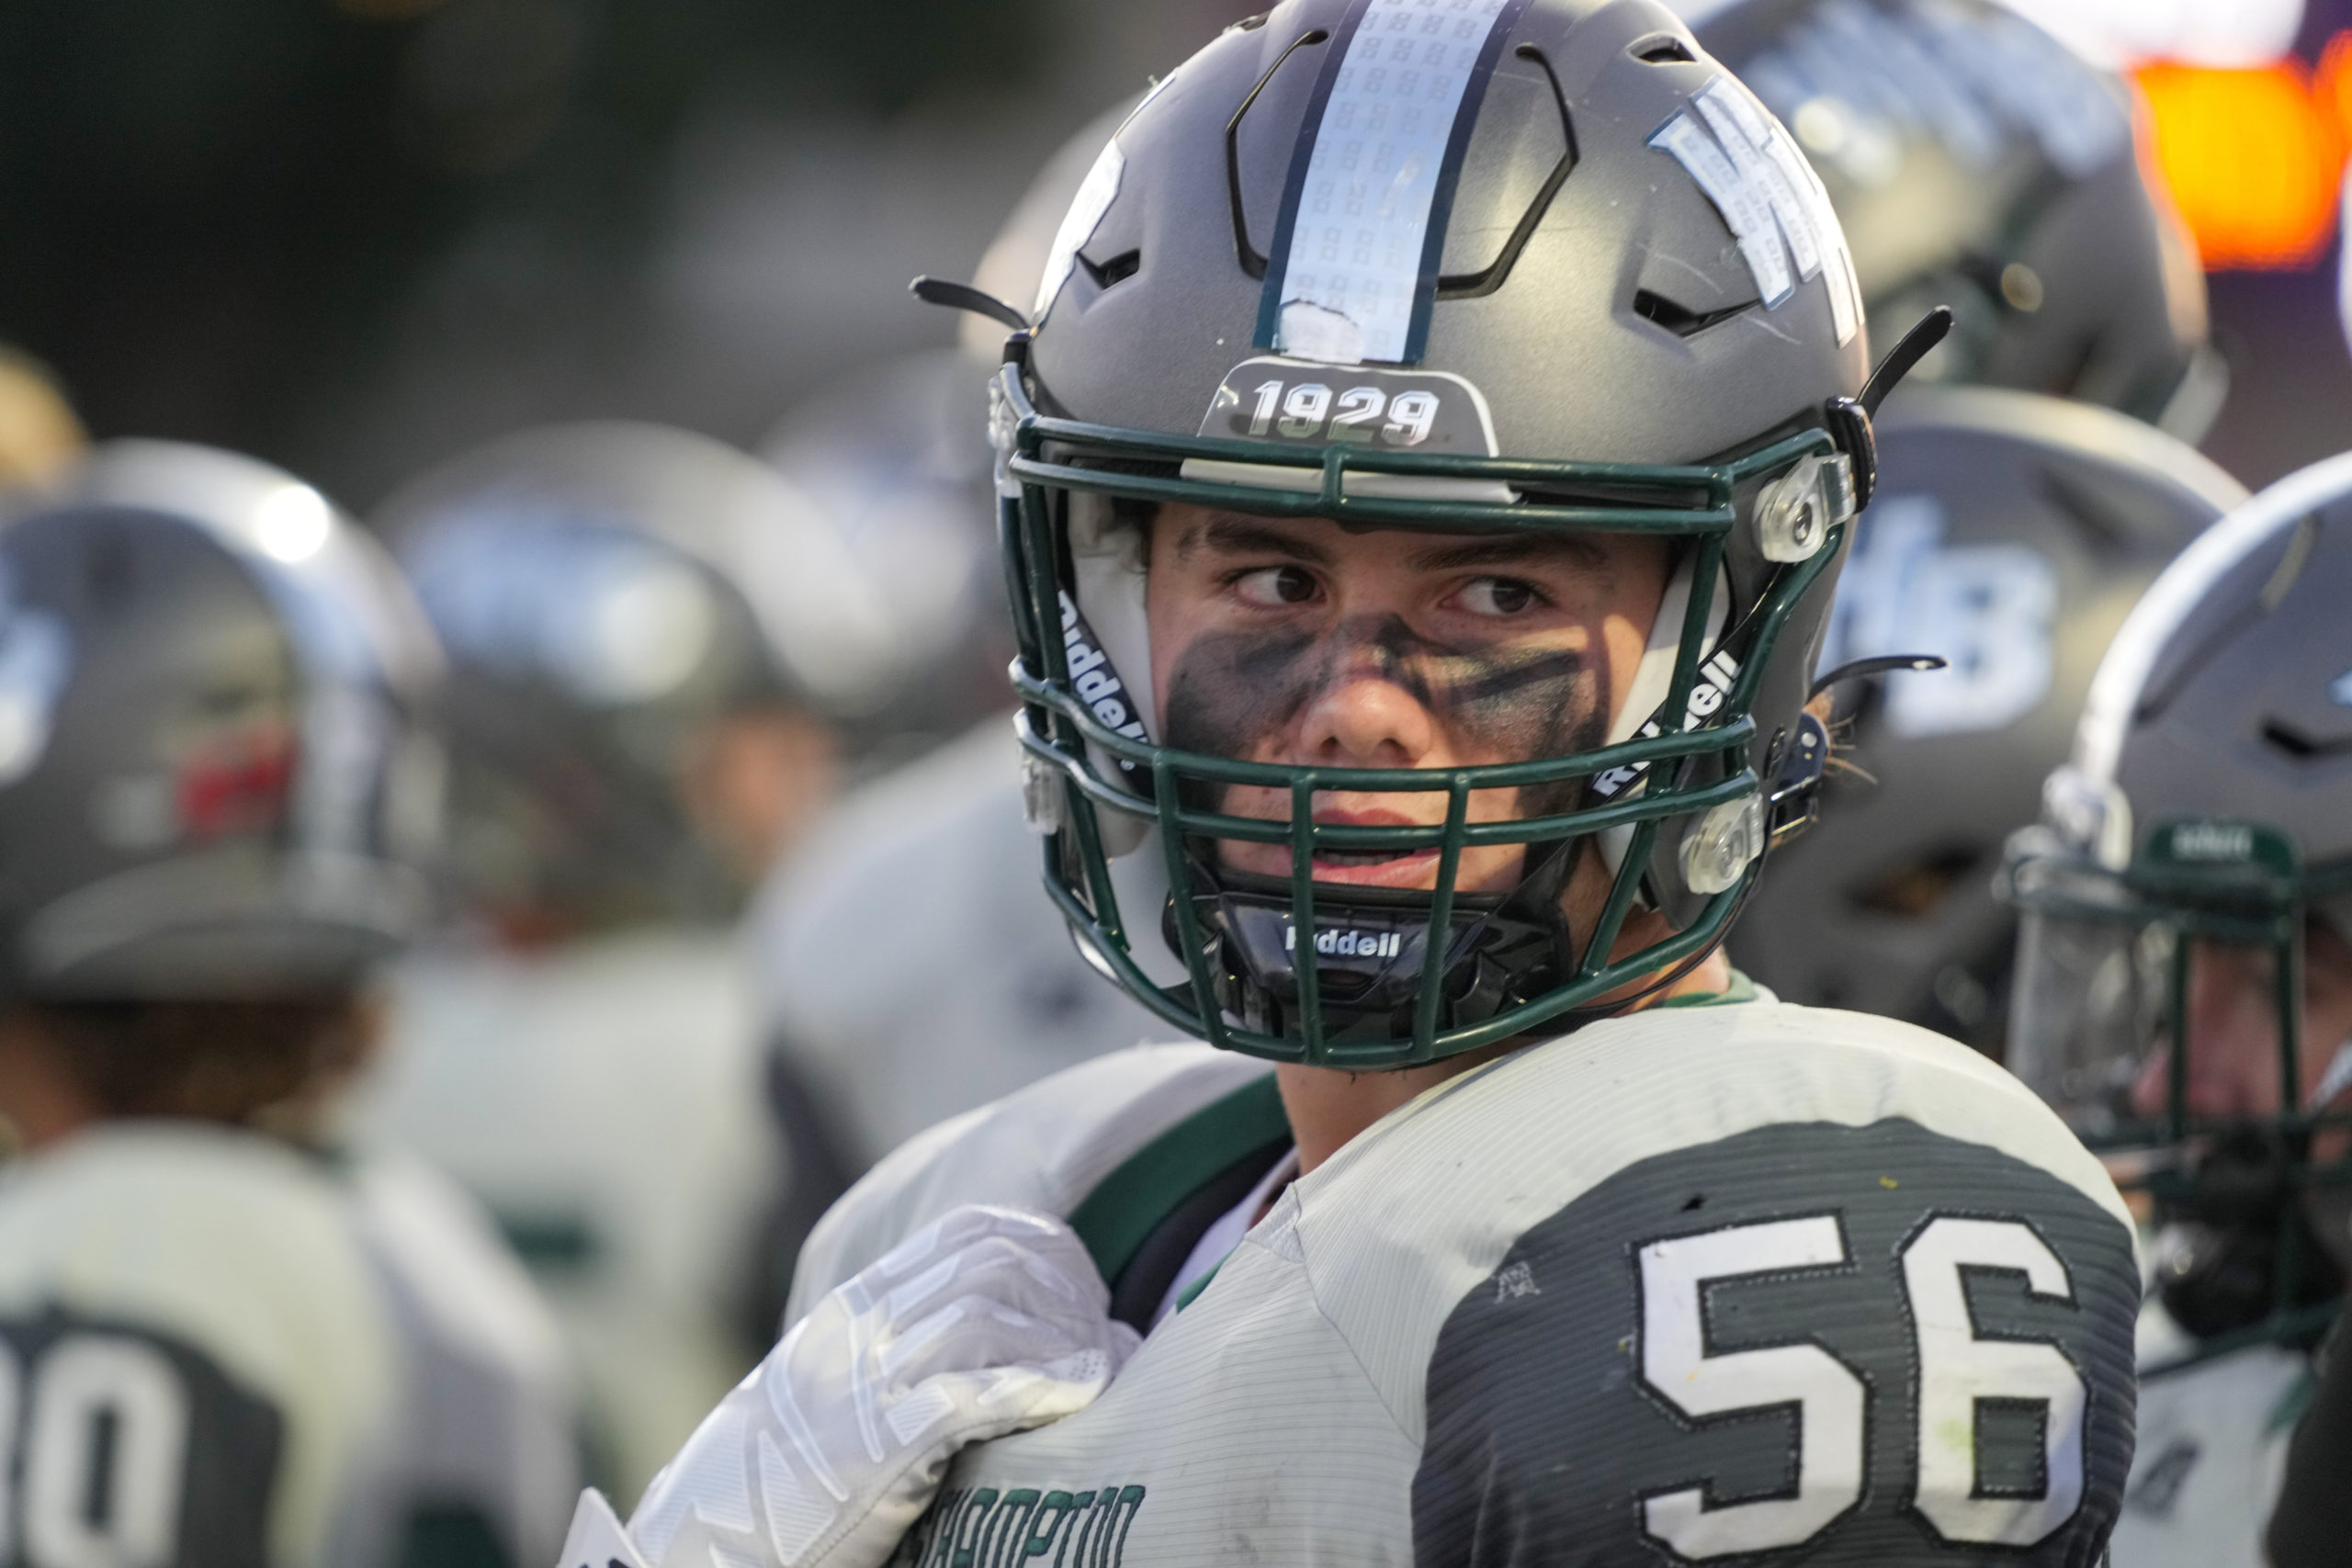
(1376, 868)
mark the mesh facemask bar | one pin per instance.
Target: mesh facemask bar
(1044, 457)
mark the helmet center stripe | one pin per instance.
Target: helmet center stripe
(1357, 246)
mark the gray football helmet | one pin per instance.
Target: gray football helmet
(606, 592)
(893, 461)
(1977, 163)
(2197, 838)
(1540, 266)
(2009, 535)
(214, 779)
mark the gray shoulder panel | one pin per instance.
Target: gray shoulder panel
(1807, 1342)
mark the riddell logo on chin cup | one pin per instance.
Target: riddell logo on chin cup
(1334, 944)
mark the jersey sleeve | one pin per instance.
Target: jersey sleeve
(1810, 1343)
(1046, 1148)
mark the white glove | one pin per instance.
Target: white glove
(987, 1321)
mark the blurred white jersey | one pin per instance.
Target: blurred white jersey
(909, 964)
(605, 1099)
(217, 1351)
(2213, 1449)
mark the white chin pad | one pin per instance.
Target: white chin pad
(1108, 581)
(1654, 678)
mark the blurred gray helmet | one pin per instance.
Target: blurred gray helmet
(2009, 535)
(1532, 267)
(896, 457)
(2205, 819)
(606, 593)
(894, 460)
(1976, 162)
(214, 783)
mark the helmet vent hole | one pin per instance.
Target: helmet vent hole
(2298, 747)
(1661, 50)
(1118, 269)
(1678, 318)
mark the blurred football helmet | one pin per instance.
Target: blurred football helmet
(2192, 853)
(1365, 262)
(214, 780)
(610, 594)
(894, 460)
(1977, 163)
(2009, 535)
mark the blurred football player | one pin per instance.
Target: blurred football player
(1975, 163)
(2184, 992)
(936, 857)
(634, 739)
(1416, 638)
(2009, 535)
(223, 1341)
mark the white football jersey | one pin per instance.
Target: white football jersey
(2212, 1451)
(605, 1099)
(908, 962)
(217, 1351)
(1748, 1281)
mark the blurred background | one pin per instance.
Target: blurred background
(356, 236)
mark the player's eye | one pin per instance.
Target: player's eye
(1498, 596)
(1275, 585)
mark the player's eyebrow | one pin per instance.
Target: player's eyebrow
(1234, 534)
(1504, 549)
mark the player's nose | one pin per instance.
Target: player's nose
(1364, 718)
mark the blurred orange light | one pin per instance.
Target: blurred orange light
(2254, 159)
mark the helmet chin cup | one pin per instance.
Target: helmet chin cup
(2218, 1263)
(1372, 948)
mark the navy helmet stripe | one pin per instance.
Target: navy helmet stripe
(1353, 269)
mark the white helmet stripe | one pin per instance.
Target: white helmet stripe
(1354, 266)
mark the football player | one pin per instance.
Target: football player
(1413, 632)
(936, 856)
(1976, 163)
(2184, 990)
(2010, 535)
(634, 736)
(223, 1341)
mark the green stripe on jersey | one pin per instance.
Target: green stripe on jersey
(1118, 1215)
